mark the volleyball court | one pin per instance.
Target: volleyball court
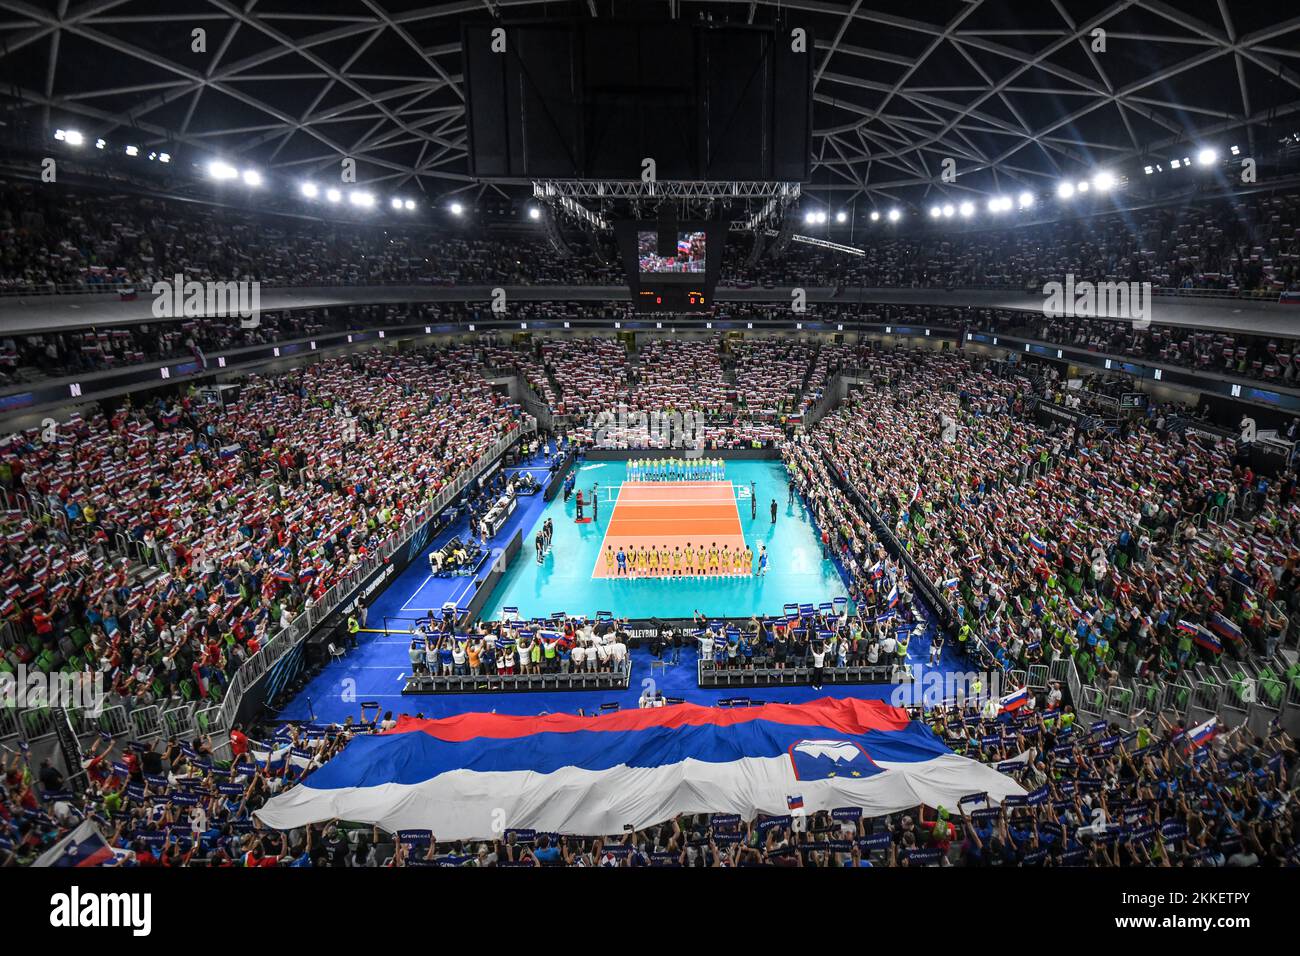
(670, 514)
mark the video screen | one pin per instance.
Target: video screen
(688, 257)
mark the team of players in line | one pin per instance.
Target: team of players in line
(676, 469)
(690, 561)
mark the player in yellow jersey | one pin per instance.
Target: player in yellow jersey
(609, 560)
(713, 558)
(654, 560)
(724, 560)
(747, 563)
(677, 562)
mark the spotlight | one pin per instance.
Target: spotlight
(310, 190)
(252, 177)
(164, 157)
(410, 204)
(70, 136)
(895, 215)
(534, 213)
(1206, 156)
(1082, 187)
(100, 144)
(1026, 199)
(1103, 181)
(809, 217)
(395, 203)
(1065, 190)
(218, 170)
(841, 216)
(333, 195)
(967, 209)
(457, 209)
(1236, 151)
(1148, 170)
(153, 154)
(821, 217)
(132, 150)
(1175, 164)
(875, 216)
(358, 198)
(948, 210)
(935, 212)
(994, 205)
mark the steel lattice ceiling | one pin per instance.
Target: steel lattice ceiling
(1013, 92)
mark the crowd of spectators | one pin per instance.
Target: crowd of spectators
(1238, 243)
(1137, 551)
(162, 545)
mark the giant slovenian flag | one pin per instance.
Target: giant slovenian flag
(465, 777)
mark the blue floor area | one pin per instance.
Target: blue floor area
(378, 668)
(375, 671)
(797, 573)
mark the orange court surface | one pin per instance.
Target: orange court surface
(671, 514)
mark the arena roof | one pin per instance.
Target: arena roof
(1018, 94)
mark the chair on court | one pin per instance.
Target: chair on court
(336, 652)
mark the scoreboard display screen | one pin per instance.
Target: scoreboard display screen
(668, 264)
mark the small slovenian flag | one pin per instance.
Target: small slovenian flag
(1201, 734)
(1208, 641)
(1223, 627)
(1038, 545)
(794, 803)
(1013, 701)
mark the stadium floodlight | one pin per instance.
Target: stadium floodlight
(1148, 170)
(809, 217)
(821, 216)
(841, 216)
(935, 212)
(132, 150)
(1026, 199)
(310, 190)
(164, 157)
(100, 144)
(1000, 204)
(359, 198)
(395, 203)
(252, 178)
(153, 154)
(948, 210)
(1175, 164)
(1082, 187)
(895, 215)
(70, 136)
(1206, 156)
(994, 205)
(1236, 151)
(457, 209)
(534, 213)
(1103, 181)
(410, 204)
(875, 215)
(219, 170)
(1065, 190)
(967, 209)
(333, 195)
